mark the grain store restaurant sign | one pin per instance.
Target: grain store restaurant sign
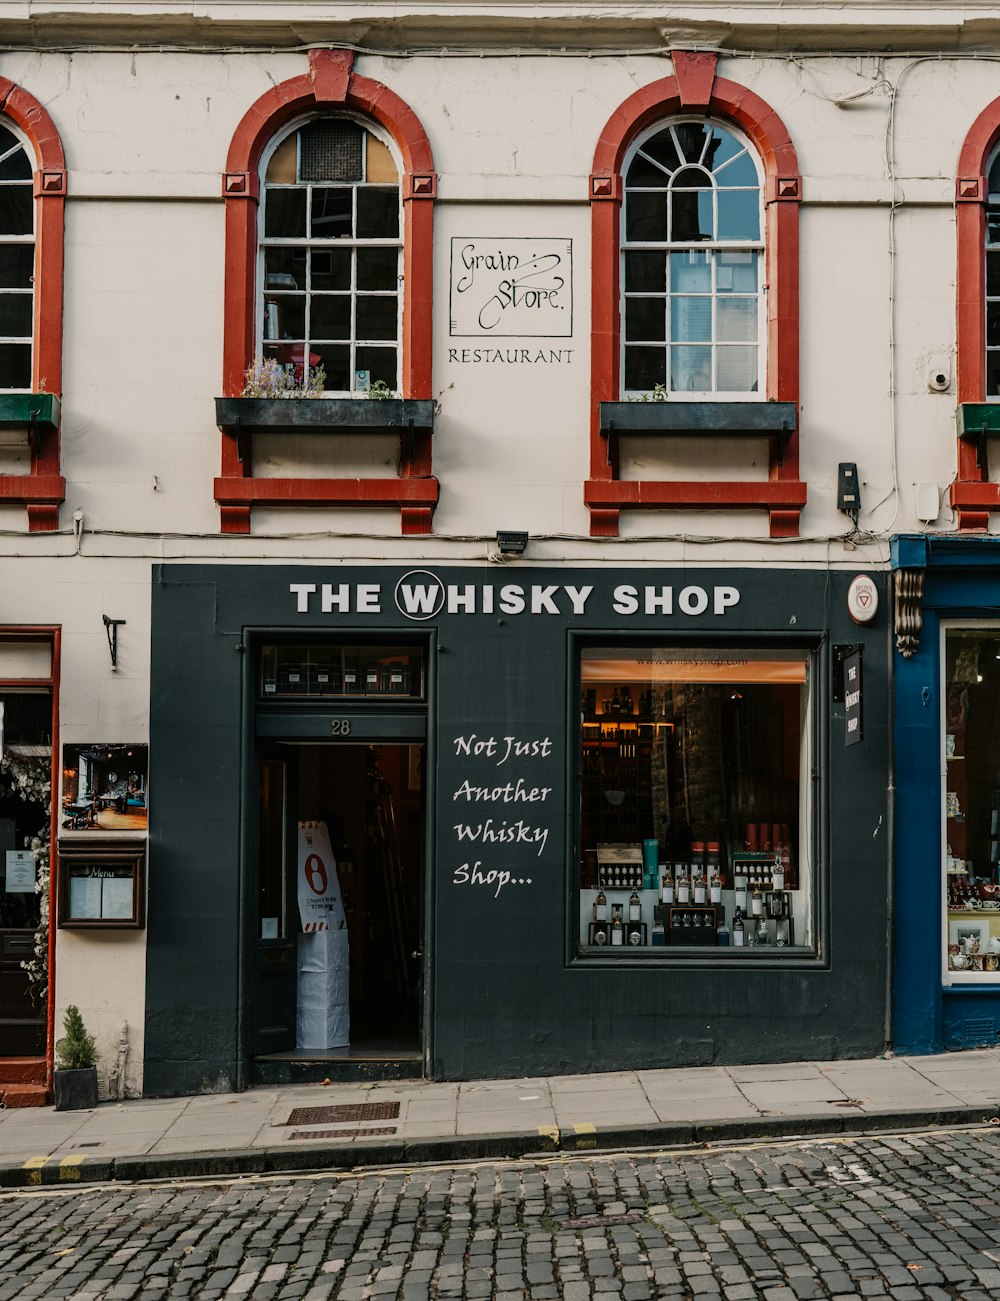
(616, 790)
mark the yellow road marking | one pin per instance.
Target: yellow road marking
(69, 1166)
(581, 1128)
(549, 1131)
(34, 1167)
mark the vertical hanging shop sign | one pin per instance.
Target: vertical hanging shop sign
(853, 703)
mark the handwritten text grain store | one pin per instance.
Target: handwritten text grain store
(566, 820)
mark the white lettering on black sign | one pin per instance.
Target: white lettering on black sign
(420, 595)
(512, 811)
(853, 730)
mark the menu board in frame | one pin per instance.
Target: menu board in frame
(102, 885)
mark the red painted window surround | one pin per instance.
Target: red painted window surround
(694, 88)
(43, 489)
(330, 82)
(972, 495)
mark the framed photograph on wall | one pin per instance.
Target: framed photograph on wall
(105, 788)
(969, 935)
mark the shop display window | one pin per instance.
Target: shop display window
(695, 827)
(324, 671)
(971, 803)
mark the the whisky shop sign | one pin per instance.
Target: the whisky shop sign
(421, 595)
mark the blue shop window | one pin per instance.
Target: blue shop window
(971, 802)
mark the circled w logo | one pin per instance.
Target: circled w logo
(419, 595)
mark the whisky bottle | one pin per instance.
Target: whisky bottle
(715, 888)
(740, 884)
(666, 886)
(617, 929)
(634, 906)
(778, 875)
(683, 884)
(757, 902)
(738, 929)
(699, 885)
(601, 907)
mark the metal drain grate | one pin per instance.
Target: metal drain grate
(375, 1132)
(345, 1112)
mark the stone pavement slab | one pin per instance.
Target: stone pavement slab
(251, 1131)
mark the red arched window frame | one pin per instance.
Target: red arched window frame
(329, 82)
(695, 87)
(973, 497)
(43, 489)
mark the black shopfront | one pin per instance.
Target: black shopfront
(547, 792)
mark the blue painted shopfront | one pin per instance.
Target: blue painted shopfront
(960, 581)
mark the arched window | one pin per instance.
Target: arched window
(973, 496)
(993, 276)
(32, 212)
(17, 261)
(694, 197)
(329, 190)
(691, 262)
(331, 250)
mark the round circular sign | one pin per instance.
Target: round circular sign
(862, 599)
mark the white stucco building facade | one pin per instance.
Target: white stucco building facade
(516, 130)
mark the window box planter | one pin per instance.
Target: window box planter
(28, 415)
(977, 423)
(241, 416)
(700, 419)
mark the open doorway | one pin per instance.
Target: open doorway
(370, 800)
(25, 785)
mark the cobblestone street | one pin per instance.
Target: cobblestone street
(904, 1216)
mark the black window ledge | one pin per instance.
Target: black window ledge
(323, 415)
(731, 419)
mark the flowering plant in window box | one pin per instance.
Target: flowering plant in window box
(273, 380)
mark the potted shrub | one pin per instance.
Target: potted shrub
(75, 1076)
